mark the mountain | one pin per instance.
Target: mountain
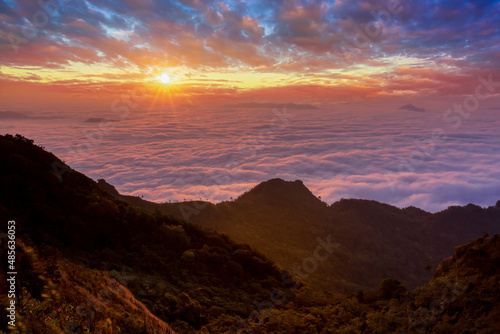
(88, 262)
(63, 297)
(283, 220)
(411, 107)
(462, 297)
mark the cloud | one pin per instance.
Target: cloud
(271, 33)
(99, 120)
(302, 52)
(257, 105)
(166, 155)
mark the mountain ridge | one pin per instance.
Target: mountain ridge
(89, 262)
(283, 219)
(194, 276)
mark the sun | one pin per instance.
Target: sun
(166, 87)
(164, 78)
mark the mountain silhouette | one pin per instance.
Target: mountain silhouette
(283, 219)
(88, 261)
(71, 235)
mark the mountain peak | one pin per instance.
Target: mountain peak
(280, 184)
(109, 188)
(277, 182)
(279, 190)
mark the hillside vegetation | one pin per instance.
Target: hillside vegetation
(188, 276)
(89, 262)
(283, 220)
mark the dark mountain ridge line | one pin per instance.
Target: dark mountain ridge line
(111, 189)
(283, 218)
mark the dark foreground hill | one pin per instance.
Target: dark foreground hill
(88, 262)
(284, 220)
(462, 297)
(188, 277)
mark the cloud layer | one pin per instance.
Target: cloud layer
(166, 156)
(258, 33)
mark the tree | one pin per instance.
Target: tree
(390, 288)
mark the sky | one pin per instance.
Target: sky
(391, 100)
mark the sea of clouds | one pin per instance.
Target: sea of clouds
(400, 157)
